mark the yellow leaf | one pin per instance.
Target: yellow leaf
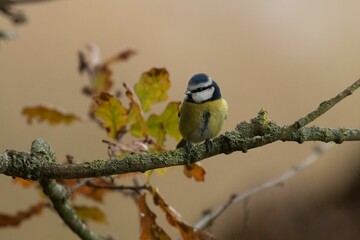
(110, 114)
(152, 87)
(90, 213)
(50, 115)
(138, 126)
(166, 123)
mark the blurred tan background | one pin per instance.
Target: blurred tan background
(284, 56)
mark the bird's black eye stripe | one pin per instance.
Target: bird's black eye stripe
(202, 88)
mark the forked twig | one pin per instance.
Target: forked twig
(210, 216)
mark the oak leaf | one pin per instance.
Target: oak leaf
(187, 232)
(102, 81)
(196, 171)
(100, 73)
(24, 183)
(121, 56)
(50, 115)
(110, 114)
(165, 124)
(150, 230)
(152, 87)
(19, 217)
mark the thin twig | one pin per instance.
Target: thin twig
(136, 189)
(326, 105)
(80, 184)
(210, 216)
(7, 35)
(29, 1)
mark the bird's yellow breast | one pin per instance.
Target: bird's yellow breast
(201, 121)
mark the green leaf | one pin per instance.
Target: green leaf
(152, 87)
(110, 113)
(171, 120)
(166, 123)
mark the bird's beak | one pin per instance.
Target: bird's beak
(188, 92)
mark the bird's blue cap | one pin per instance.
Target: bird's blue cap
(198, 79)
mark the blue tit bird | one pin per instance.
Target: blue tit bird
(202, 112)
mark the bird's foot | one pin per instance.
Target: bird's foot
(208, 144)
(188, 147)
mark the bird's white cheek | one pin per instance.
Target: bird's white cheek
(203, 95)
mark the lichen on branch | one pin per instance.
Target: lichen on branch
(260, 131)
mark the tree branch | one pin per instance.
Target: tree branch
(326, 105)
(260, 131)
(28, 166)
(58, 195)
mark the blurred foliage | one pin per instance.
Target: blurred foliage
(7, 220)
(48, 114)
(196, 171)
(90, 213)
(15, 16)
(119, 112)
(149, 228)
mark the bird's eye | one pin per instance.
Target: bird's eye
(202, 88)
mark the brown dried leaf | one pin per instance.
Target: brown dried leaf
(196, 171)
(150, 230)
(187, 232)
(19, 217)
(83, 64)
(122, 56)
(50, 115)
(96, 194)
(99, 73)
(24, 183)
